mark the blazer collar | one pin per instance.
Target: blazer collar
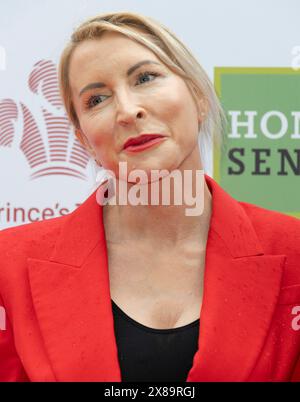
(84, 227)
(71, 296)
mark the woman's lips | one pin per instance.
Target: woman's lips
(145, 145)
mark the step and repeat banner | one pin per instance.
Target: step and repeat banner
(250, 50)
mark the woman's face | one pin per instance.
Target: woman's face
(124, 101)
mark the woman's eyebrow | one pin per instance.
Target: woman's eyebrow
(129, 72)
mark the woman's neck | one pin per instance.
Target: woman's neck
(164, 225)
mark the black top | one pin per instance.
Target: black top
(149, 354)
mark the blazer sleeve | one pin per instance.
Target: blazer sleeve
(11, 369)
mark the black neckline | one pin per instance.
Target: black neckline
(118, 310)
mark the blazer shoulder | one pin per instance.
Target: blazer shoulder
(278, 232)
(29, 231)
(35, 239)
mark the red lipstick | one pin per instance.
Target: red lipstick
(144, 141)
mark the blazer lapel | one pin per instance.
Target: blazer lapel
(72, 300)
(71, 296)
(241, 288)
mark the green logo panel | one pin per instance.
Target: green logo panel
(259, 161)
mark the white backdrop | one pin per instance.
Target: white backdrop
(258, 33)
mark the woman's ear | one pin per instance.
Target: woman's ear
(202, 109)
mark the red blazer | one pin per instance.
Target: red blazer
(54, 285)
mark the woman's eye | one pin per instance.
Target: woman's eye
(143, 76)
(93, 101)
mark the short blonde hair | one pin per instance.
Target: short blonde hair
(166, 46)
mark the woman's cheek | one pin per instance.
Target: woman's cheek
(171, 102)
(94, 132)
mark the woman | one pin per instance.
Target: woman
(144, 292)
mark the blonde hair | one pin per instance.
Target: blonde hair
(167, 47)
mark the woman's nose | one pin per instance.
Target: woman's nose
(128, 110)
